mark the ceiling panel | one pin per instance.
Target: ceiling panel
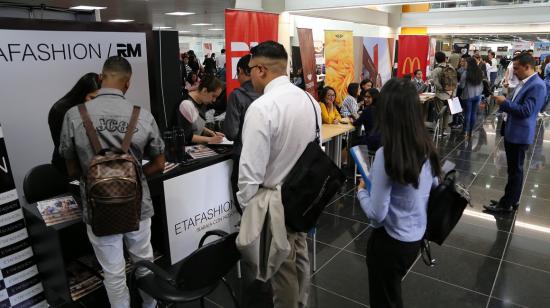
(153, 12)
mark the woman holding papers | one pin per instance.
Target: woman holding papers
(404, 171)
(471, 84)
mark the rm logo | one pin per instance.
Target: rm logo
(128, 50)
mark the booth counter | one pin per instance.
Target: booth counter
(189, 200)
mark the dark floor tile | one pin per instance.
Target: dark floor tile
(479, 217)
(458, 267)
(320, 298)
(207, 304)
(468, 155)
(497, 303)
(420, 291)
(467, 165)
(346, 275)
(529, 247)
(338, 231)
(485, 241)
(490, 182)
(538, 178)
(349, 207)
(324, 253)
(359, 245)
(465, 177)
(523, 286)
(531, 204)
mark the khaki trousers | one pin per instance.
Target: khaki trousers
(291, 282)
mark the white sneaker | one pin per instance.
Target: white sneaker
(541, 115)
(546, 114)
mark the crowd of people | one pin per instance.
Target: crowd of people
(271, 121)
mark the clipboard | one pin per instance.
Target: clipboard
(360, 154)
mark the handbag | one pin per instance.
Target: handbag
(310, 185)
(445, 207)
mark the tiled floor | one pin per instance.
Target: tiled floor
(488, 261)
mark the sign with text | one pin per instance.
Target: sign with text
(20, 284)
(413, 54)
(307, 52)
(244, 30)
(40, 67)
(197, 202)
(339, 61)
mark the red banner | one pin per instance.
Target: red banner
(413, 54)
(244, 30)
(307, 53)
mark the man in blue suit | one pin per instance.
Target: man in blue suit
(520, 128)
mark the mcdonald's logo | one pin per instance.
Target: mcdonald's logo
(412, 66)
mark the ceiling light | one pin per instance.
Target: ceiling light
(180, 13)
(215, 29)
(121, 20)
(184, 31)
(162, 28)
(87, 8)
(201, 24)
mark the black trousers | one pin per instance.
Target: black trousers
(388, 261)
(515, 158)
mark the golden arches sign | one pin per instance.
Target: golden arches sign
(411, 63)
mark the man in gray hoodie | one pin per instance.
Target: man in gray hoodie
(237, 104)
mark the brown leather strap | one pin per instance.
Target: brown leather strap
(130, 132)
(90, 130)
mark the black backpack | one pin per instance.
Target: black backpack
(445, 207)
(310, 185)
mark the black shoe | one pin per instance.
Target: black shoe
(497, 208)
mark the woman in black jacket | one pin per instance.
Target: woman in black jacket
(367, 119)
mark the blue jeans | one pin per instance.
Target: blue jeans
(470, 111)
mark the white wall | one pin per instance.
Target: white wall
(196, 44)
(319, 25)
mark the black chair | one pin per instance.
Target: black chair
(194, 277)
(43, 182)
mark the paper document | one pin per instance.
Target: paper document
(454, 105)
(360, 154)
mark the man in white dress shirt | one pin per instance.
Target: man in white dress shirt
(277, 128)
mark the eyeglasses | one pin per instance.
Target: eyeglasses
(331, 95)
(250, 68)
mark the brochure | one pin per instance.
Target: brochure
(59, 210)
(360, 154)
(200, 151)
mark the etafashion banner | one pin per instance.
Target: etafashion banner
(339, 61)
(39, 67)
(413, 54)
(307, 53)
(377, 60)
(20, 284)
(244, 30)
(193, 207)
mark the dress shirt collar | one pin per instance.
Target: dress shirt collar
(524, 81)
(277, 82)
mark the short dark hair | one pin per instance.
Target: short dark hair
(117, 64)
(374, 93)
(440, 57)
(416, 71)
(525, 59)
(407, 76)
(269, 49)
(210, 83)
(243, 64)
(223, 50)
(365, 81)
(492, 53)
(353, 88)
